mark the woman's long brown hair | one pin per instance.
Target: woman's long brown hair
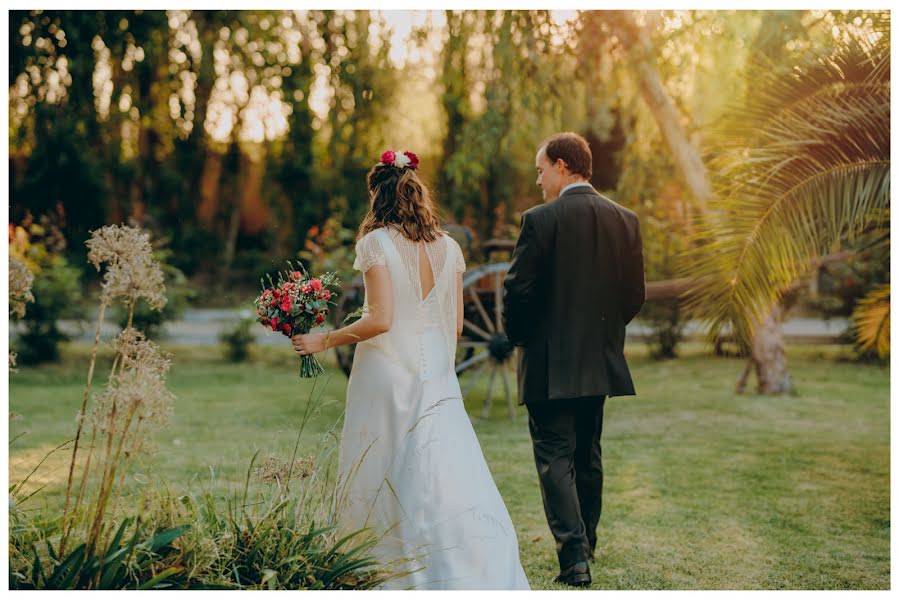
(401, 199)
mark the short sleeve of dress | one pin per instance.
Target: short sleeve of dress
(460, 260)
(368, 253)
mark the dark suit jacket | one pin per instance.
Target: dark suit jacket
(575, 282)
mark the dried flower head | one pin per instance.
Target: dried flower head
(136, 394)
(114, 244)
(132, 272)
(20, 280)
(273, 469)
(131, 280)
(139, 353)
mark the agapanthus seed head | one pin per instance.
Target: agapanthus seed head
(131, 280)
(115, 244)
(132, 272)
(20, 281)
(138, 395)
(139, 353)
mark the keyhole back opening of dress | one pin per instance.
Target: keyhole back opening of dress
(425, 272)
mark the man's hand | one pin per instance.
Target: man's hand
(308, 343)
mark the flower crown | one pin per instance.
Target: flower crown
(400, 159)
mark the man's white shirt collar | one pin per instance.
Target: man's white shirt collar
(575, 184)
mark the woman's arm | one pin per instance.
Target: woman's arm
(378, 320)
(460, 310)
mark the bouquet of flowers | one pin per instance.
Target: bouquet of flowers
(296, 304)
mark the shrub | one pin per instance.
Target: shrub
(238, 339)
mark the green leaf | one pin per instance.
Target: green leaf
(162, 539)
(156, 581)
(36, 569)
(872, 321)
(51, 551)
(111, 571)
(65, 573)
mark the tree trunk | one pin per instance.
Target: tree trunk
(210, 181)
(254, 212)
(768, 356)
(686, 157)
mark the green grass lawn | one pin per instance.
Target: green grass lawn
(703, 489)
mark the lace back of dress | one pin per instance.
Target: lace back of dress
(436, 252)
(408, 303)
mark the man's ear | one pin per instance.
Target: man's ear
(562, 165)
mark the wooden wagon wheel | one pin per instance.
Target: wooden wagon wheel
(484, 351)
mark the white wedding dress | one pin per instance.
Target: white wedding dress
(411, 467)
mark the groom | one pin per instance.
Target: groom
(575, 282)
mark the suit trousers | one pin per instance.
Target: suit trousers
(566, 437)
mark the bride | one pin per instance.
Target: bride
(410, 462)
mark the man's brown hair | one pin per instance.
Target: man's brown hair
(571, 148)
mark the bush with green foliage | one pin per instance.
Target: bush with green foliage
(238, 339)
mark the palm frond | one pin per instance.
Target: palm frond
(803, 164)
(872, 321)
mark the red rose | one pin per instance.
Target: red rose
(413, 160)
(388, 157)
(285, 328)
(320, 319)
(274, 323)
(316, 285)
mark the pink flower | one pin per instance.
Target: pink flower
(325, 295)
(296, 275)
(388, 157)
(413, 159)
(316, 285)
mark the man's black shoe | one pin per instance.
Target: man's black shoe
(577, 575)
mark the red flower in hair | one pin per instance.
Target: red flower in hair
(413, 160)
(388, 157)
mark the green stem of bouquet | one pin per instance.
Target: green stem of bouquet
(310, 367)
